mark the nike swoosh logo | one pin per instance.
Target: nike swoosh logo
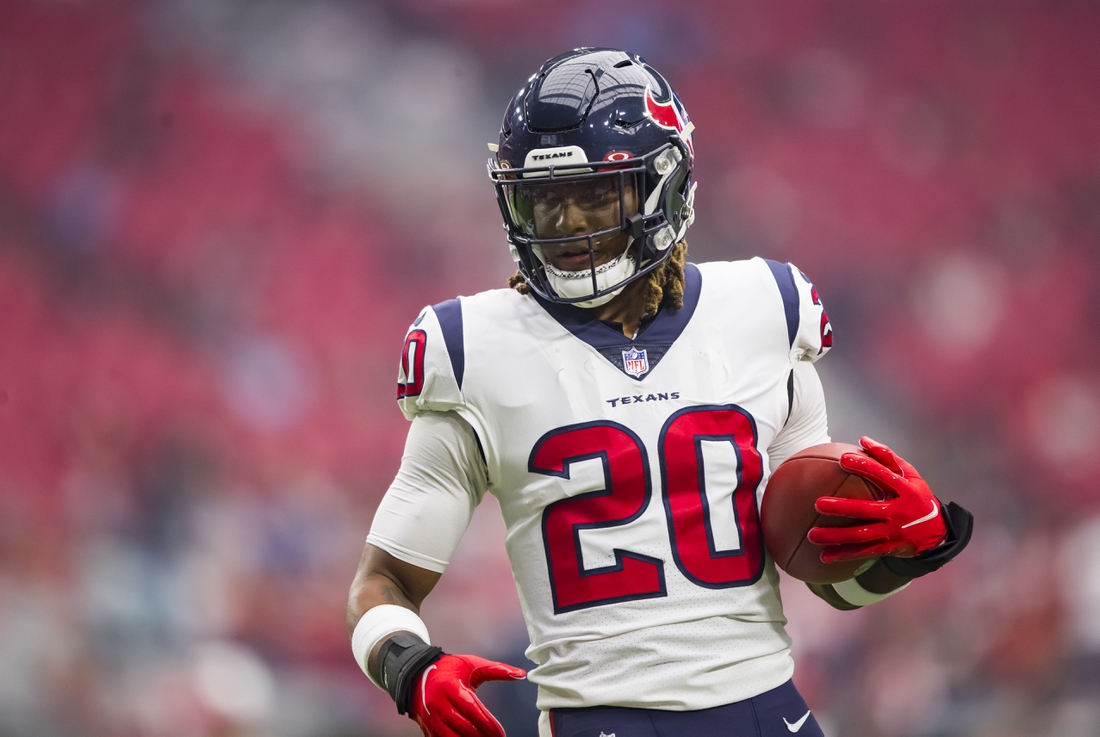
(424, 689)
(925, 518)
(797, 725)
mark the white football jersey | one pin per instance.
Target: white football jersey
(629, 473)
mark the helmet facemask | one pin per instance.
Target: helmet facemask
(606, 220)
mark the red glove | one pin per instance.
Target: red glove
(444, 704)
(906, 523)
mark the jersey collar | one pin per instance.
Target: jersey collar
(655, 336)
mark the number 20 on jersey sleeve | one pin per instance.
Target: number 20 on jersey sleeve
(626, 495)
(411, 381)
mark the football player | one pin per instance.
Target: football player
(626, 408)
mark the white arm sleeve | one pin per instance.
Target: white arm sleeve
(430, 503)
(807, 424)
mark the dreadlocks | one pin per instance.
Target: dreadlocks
(663, 287)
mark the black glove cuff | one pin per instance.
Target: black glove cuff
(400, 660)
(960, 523)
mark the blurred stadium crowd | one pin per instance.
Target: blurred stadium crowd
(218, 218)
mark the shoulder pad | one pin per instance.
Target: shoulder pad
(429, 377)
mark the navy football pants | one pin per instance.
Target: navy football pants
(780, 712)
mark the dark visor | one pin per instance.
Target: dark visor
(607, 197)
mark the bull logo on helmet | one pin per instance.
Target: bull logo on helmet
(666, 115)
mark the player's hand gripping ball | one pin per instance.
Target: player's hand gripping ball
(906, 523)
(830, 508)
(444, 704)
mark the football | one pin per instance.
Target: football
(787, 512)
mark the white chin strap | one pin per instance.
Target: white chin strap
(573, 284)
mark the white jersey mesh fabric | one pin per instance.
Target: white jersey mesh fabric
(629, 474)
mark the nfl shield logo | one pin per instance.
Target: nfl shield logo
(635, 362)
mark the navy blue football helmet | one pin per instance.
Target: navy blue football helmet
(603, 124)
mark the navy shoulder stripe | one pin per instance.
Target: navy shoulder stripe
(789, 292)
(449, 314)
